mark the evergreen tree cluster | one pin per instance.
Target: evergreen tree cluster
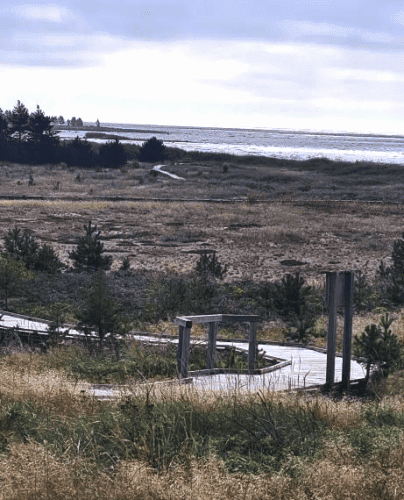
(75, 122)
(32, 138)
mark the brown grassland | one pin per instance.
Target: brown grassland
(291, 212)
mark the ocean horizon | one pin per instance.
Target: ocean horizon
(278, 143)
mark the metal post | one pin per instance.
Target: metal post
(179, 349)
(211, 350)
(332, 328)
(252, 347)
(347, 344)
(186, 335)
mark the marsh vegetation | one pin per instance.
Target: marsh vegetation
(263, 255)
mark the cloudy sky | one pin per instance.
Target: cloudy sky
(295, 64)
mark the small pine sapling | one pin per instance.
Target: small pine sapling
(88, 254)
(125, 266)
(379, 346)
(209, 266)
(21, 247)
(295, 302)
(47, 260)
(99, 309)
(392, 277)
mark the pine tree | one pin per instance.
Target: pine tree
(47, 260)
(152, 150)
(21, 246)
(112, 154)
(88, 254)
(4, 129)
(12, 274)
(99, 310)
(40, 127)
(379, 346)
(18, 121)
(209, 266)
(41, 135)
(392, 277)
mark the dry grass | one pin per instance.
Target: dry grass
(32, 470)
(253, 238)
(26, 377)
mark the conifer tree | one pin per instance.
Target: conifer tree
(379, 346)
(99, 310)
(18, 120)
(152, 150)
(88, 254)
(112, 154)
(392, 277)
(21, 246)
(12, 275)
(40, 127)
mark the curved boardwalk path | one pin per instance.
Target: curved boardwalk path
(307, 368)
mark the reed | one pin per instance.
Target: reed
(58, 442)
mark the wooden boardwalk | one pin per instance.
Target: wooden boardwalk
(307, 368)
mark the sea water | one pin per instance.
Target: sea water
(291, 144)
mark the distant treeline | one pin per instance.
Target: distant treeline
(32, 138)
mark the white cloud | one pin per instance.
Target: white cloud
(50, 12)
(171, 75)
(203, 82)
(398, 17)
(367, 75)
(344, 105)
(297, 29)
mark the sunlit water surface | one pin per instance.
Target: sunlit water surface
(297, 145)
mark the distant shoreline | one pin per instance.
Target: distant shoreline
(94, 128)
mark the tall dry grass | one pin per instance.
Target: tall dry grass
(32, 470)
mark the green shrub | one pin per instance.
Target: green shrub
(152, 150)
(21, 246)
(125, 266)
(298, 304)
(177, 295)
(13, 275)
(47, 260)
(88, 254)
(391, 278)
(365, 296)
(99, 310)
(112, 154)
(379, 346)
(24, 248)
(209, 266)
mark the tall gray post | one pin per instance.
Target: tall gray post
(211, 350)
(179, 348)
(347, 344)
(183, 348)
(332, 328)
(252, 345)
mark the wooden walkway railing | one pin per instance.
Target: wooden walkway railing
(184, 330)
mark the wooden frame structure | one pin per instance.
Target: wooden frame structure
(184, 334)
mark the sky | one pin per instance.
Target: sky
(333, 65)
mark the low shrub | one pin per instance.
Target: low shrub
(380, 347)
